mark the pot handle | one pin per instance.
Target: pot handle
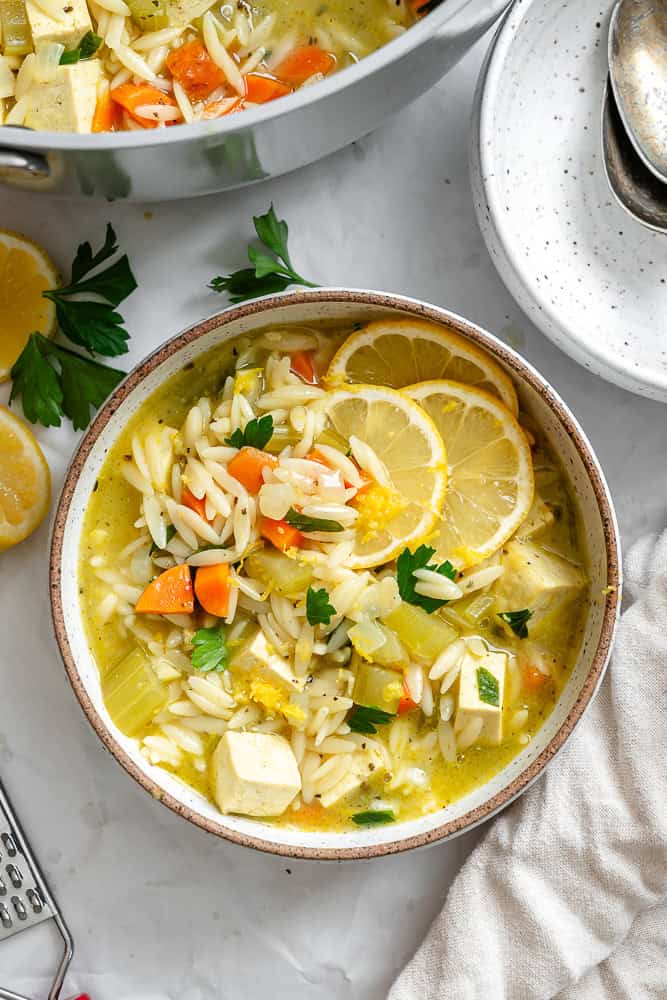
(16, 162)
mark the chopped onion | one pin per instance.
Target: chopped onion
(47, 61)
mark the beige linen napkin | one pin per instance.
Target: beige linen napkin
(567, 894)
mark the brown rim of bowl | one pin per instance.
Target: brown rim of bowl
(516, 364)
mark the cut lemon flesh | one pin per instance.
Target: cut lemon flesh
(402, 352)
(392, 516)
(490, 470)
(25, 272)
(25, 481)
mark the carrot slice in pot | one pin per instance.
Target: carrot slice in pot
(213, 587)
(170, 593)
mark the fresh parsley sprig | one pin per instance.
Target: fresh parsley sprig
(54, 383)
(318, 609)
(304, 523)
(407, 563)
(373, 817)
(94, 323)
(517, 621)
(86, 48)
(365, 719)
(272, 269)
(210, 649)
(256, 434)
(487, 687)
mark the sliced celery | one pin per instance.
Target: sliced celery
(424, 635)
(284, 436)
(16, 35)
(132, 693)
(391, 653)
(288, 576)
(377, 687)
(149, 15)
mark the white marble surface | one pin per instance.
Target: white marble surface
(158, 908)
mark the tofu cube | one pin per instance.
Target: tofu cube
(68, 30)
(539, 518)
(182, 12)
(262, 661)
(471, 704)
(67, 104)
(538, 580)
(255, 774)
(362, 768)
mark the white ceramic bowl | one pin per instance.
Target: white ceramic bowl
(589, 276)
(581, 466)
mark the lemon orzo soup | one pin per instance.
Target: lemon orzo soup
(326, 603)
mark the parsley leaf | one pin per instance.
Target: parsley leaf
(90, 323)
(318, 609)
(86, 48)
(305, 523)
(407, 563)
(210, 649)
(171, 531)
(54, 382)
(364, 719)
(272, 269)
(257, 434)
(373, 817)
(487, 686)
(517, 621)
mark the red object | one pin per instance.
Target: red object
(281, 534)
(302, 365)
(169, 593)
(303, 63)
(212, 588)
(533, 678)
(108, 115)
(194, 503)
(194, 69)
(260, 88)
(131, 96)
(406, 704)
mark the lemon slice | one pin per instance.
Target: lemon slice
(25, 481)
(405, 351)
(25, 272)
(490, 470)
(404, 438)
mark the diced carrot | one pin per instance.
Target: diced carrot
(194, 69)
(194, 503)
(281, 534)
(406, 704)
(533, 678)
(107, 117)
(135, 95)
(169, 594)
(247, 467)
(303, 63)
(213, 587)
(217, 109)
(260, 88)
(301, 363)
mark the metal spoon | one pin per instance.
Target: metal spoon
(637, 52)
(636, 189)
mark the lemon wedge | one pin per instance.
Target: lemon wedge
(490, 470)
(404, 504)
(25, 481)
(405, 351)
(25, 272)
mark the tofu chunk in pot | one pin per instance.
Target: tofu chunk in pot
(254, 774)
(471, 688)
(68, 30)
(538, 580)
(67, 103)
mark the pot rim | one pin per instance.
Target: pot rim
(21, 138)
(517, 365)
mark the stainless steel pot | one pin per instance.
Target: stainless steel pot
(263, 142)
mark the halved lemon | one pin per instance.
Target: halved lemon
(490, 470)
(25, 481)
(404, 438)
(405, 351)
(25, 272)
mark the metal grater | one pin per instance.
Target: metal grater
(25, 899)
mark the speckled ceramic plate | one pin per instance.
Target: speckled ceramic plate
(590, 277)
